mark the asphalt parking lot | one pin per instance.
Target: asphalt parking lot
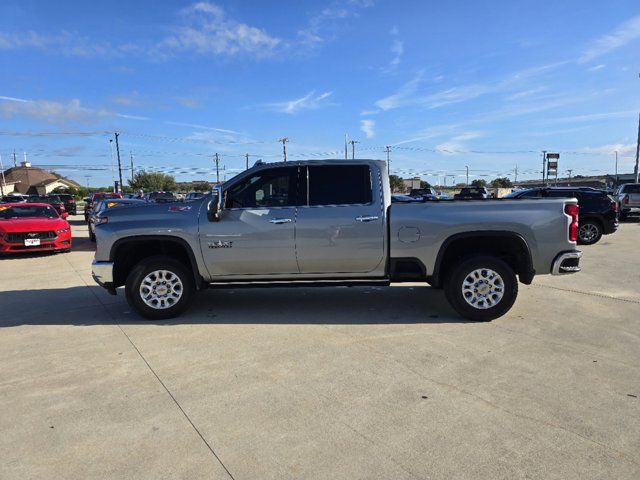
(332, 383)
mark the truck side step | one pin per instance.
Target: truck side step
(383, 282)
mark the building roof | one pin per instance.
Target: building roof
(25, 177)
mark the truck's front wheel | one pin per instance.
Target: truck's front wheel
(481, 288)
(159, 288)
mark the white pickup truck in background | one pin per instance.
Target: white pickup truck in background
(629, 197)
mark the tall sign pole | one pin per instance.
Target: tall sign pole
(216, 158)
(544, 164)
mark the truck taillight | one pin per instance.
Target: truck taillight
(572, 210)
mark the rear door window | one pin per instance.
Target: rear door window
(631, 189)
(339, 185)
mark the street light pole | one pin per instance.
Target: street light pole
(467, 167)
(544, 164)
(616, 168)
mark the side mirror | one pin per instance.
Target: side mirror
(216, 205)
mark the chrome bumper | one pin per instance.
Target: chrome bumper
(566, 262)
(102, 273)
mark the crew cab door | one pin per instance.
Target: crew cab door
(256, 231)
(340, 226)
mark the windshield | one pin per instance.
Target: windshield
(513, 194)
(26, 211)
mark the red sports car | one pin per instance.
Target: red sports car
(33, 227)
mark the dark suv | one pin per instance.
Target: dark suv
(69, 202)
(598, 211)
(52, 200)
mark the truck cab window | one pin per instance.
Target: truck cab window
(339, 185)
(268, 188)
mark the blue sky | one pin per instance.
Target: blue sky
(446, 84)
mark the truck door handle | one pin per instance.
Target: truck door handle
(279, 221)
(368, 218)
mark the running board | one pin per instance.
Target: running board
(301, 283)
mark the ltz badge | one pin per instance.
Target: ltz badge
(220, 244)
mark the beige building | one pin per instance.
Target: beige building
(30, 180)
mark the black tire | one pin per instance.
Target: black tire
(483, 311)
(589, 232)
(92, 235)
(145, 268)
(623, 216)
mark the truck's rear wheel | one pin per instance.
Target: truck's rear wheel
(481, 288)
(159, 288)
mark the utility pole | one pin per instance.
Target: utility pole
(3, 183)
(467, 167)
(569, 172)
(216, 159)
(284, 141)
(246, 156)
(132, 170)
(616, 168)
(544, 164)
(515, 177)
(113, 178)
(353, 149)
(15, 164)
(387, 149)
(635, 169)
(119, 163)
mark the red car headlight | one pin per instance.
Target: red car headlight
(64, 230)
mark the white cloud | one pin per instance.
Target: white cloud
(322, 24)
(310, 101)
(622, 35)
(595, 116)
(56, 112)
(208, 30)
(408, 95)
(596, 67)
(368, 127)
(621, 148)
(405, 94)
(203, 127)
(457, 144)
(397, 48)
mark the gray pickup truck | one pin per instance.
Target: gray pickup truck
(331, 222)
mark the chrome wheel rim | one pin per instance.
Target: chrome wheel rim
(588, 232)
(483, 288)
(161, 289)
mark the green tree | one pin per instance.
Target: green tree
(424, 184)
(201, 187)
(479, 182)
(152, 182)
(396, 183)
(501, 182)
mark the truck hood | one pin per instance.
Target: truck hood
(32, 225)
